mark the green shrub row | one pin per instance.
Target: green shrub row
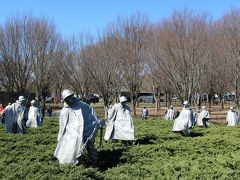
(158, 153)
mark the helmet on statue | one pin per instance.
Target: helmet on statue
(66, 93)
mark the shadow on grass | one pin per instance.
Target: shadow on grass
(110, 158)
(196, 134)
(149, 139)
(171, 151)
(169, 138)
(193, 134)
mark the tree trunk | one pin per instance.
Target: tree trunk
(236, 93)
(106, 104)
(209, 98)
(105, 112)
(169, 99)
(137, 104)
(158, 103)
(222, 100)
(134, 107)
(166, 99)
(199, 101)
(134, 104)
(157, 97)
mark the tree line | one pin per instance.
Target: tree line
(186, 54)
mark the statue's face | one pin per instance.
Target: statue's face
(124, 103)
(69, 100)
(22, 102)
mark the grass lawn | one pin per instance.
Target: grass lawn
(213, 153)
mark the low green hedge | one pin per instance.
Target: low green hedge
(213, 153)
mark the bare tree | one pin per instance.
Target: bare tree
(217, 73)
(231, 44)
(132, 36)
(45, 46)
(159, 79)
(72, 66)
(102, 67)
(27, 52)
(16, 54)
(58, 80)
(182, 44)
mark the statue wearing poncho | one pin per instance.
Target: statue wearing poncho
(15, 116)
(170, 114)
(120, 124)
(203, 118)
(77, 122)
(184, 121)
(232, 117)
(34, 115)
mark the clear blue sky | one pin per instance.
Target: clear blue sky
(75, 16)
